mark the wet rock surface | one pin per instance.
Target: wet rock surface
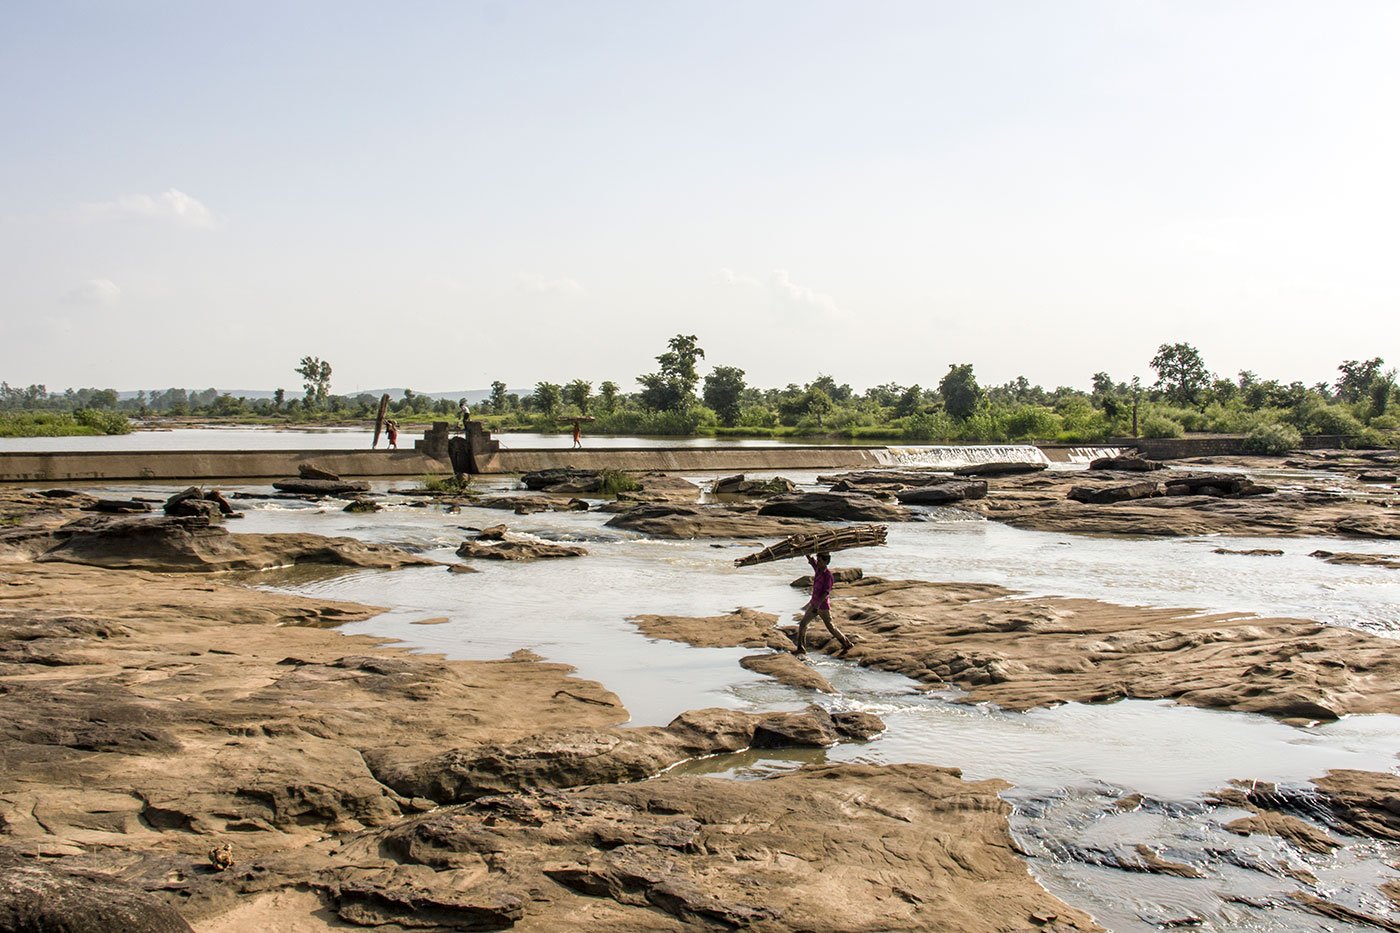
(829, 848)
(1026, 652)
(1353, 559)
(335, 488)
(517, 549)
(744, 628)
(695, 521)
(834, 507)
(785, 668)
(1122, 503)
(192, 544)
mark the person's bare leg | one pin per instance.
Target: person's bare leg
(801, 637)
(835, 632)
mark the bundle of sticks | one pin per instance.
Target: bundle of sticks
(814, 542)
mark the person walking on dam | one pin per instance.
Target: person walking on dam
(393, 428)
(820, 603)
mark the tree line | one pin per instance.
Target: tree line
(674, 399)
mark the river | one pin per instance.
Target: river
(1067, 766)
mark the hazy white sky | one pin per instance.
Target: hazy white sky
(442, 194)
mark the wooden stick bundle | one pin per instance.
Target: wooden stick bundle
(837, 539)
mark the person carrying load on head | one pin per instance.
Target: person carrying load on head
(820, 603)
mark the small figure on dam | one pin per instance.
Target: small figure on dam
(578, 436)
(820, 603)
(392, 427)
(465, 412)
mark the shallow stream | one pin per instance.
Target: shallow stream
(1067, 767)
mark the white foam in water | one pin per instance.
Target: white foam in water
(951, 458)
(1090, 454)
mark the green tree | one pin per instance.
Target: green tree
(723, 388)
(578, 393)
(279, 398)
(960, 391)
(909, 402)
(316, 377)
(607, 396)
(1357, 377)
(546, 397)
(1181, 373)
(672, 388)
(819, 404)
(498, 397)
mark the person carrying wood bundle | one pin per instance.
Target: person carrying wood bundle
(820, 603)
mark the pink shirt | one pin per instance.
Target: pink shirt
(822, 582)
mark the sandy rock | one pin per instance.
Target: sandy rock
(1363, 803)
(824, 849)
(785, 668)
(1021, 652)
(1301, 834)
(835, 507)
(942, 493)
(321, 487)
(192, 544)
(1117, 492)
(1251, 552)
(661, 488)
(543, 479)
(526, 505)
(117, 506)
(1039, 502)
(694, 521)
(312, 471)
(577, 757)
(518, 549)
(1389, 561)
(741, 486)
(1011, 468)
(744, 628)
(42, 898)
(1127, 463)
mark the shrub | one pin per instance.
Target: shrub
(449, 484)
(1273, 439)
(1033, 422)
(1159, 425)
(612, 482)
(983, 425)
(930, 426)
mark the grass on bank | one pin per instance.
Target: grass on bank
(85, 422)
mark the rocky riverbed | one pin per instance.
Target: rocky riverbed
(180, 751)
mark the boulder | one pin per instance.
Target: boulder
(321, 487)
(36, 897)
(1127, 463)
(555, 476)
(741, 486)
(507, 549)
(810, 728)
(199, 502)
(694, 521)
(189, 543)
(785, 668)
(834, 507)
(943, 493)
(1000, 469)
(117, 506)
(1217, 485)
(363, 506)
(526, 505)
(312, 471)
(1118, 492)
(886, 478)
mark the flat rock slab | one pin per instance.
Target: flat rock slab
(835, 507)
(694, 521)
(827, 848)
(1010, 468)
(744, 628)
(192, 544)
(1021, 652)
(321, 487)
(1345, 558)
(785, 668)
(518, 550)
(942, 493)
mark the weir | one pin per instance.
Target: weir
(440, 449)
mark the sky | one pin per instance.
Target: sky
(442, 194)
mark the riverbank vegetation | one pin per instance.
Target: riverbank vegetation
(674, 400)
